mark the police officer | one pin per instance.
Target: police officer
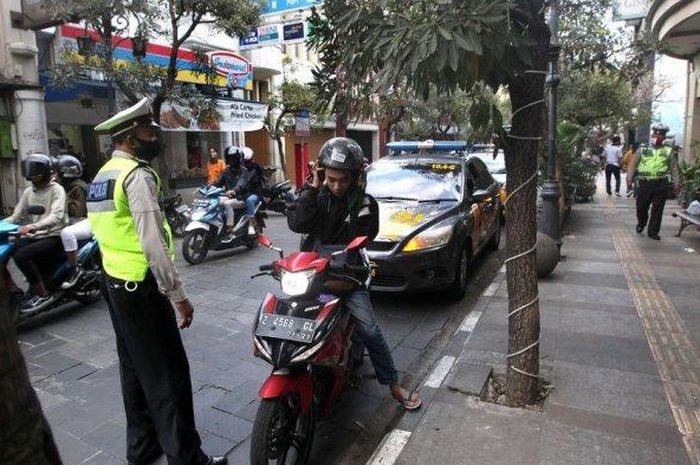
(142, 285)
(653, 168)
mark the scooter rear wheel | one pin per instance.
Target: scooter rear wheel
(194, 247)
(282, 433)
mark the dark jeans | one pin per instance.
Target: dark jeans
(32, 252)
(155, 376)
(612, 170)
(371, 334)
(651, 193)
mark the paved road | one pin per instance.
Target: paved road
(73, 363)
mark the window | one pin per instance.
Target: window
(482, 178)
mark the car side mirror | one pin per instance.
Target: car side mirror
(480, 194)
(36, 210)
(357, 243)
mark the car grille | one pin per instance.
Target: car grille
(385, 280)
(381, 246)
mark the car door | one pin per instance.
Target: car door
(488, 207)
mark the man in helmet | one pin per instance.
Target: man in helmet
(333, 210)
(254, 184)
(42, 213)
(654, 168)
(234, 180)
(69, 171)
(142, 287)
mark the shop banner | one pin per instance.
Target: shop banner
(268, 34)
(624, 10)
(229, 116)
(302, 124)
(275, 7)
(294, 32)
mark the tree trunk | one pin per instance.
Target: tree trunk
(25, 434)
(521, 233)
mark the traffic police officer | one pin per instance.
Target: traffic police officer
(142, 285)
(653, 168)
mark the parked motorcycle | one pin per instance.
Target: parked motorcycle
(307, 338)
(207, 228)
(54, 271)
(177, 213)
(279, 196)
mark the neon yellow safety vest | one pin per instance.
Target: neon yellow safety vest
(113, 225)
(654, 163)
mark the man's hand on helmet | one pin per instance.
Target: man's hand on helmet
(318, 170)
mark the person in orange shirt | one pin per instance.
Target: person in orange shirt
(215, 166)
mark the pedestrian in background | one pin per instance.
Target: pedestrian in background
(215, 166)
(142, 285)
(653, 168)
(613, 159)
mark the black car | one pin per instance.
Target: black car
(437, 210)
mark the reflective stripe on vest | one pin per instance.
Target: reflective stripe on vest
(113, 225)
(654, 163)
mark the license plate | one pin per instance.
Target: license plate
(373, 269)
(289, 328)
(181, 208)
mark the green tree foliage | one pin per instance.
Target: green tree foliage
(448, 45)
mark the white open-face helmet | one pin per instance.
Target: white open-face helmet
(247, 153)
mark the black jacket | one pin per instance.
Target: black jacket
(254, 179)
(325, 218)
(233, 179)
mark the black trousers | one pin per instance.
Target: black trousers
(610, 171)
(651, 193)
(155, 376)
(31, 252)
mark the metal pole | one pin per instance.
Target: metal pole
(551, 191)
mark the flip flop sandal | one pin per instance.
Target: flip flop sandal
(412, 403)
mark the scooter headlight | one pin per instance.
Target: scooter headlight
(296, 283)
(198, 215)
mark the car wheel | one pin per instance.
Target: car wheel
(496, 238)
(459, 284)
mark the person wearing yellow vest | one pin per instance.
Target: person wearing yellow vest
(141, 287)
(653, 168)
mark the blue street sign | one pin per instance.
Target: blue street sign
(280, 6)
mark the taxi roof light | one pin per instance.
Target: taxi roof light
(436, 146)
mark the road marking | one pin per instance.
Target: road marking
(670, 344)
(470, 322)
(492, 289)
(390, 451)
(440, 372)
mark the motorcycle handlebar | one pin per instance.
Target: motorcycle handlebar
(269, 267)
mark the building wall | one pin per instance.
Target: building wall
(691, 143)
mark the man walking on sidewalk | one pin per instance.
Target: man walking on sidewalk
(654, 168)
(613, 155)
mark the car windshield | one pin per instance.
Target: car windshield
(416, 181)
(495, 166)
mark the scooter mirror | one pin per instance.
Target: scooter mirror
(264, 241)
(357, 243)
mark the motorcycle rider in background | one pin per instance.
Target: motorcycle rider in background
(333, 210)
(40, 232)
(254, 185)
(234, 179)
(69, 171)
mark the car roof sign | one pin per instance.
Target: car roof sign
(436, 146)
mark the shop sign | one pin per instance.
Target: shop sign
(225, 116)
(302, 124)
(236, 69)
(294, 32)
(275, 7)
(268, 34)
(624, 10)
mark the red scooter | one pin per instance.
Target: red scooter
(307, 337)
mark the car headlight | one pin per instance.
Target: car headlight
(296, 283)
(435, 236)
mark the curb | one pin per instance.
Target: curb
(393, 443)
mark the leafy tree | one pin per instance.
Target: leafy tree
(448, 45)
(283, 102)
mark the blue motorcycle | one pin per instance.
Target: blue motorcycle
(207, 228)
(54, 271)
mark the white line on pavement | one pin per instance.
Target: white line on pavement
(491, 290)
(390, 451)
(470, 321)
(440, 371)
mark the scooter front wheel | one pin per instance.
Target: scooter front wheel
(194, 247)
(282, 432)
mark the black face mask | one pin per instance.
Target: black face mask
(148, 149)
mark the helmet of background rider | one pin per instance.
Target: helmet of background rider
(247, 155)
(35, 165)
(233, 156)
(69, 167)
